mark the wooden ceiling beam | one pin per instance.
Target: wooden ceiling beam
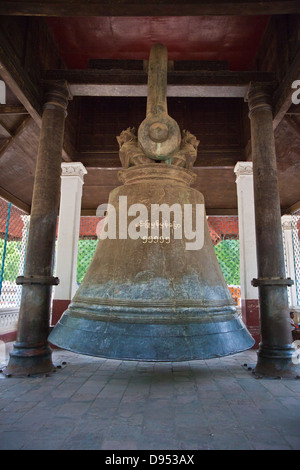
(10, 109)
(18, 80)
(14, 200)
(153, 8)
(135, 64)
(194, 83)
(16, 134)
(4, 131)
(221, 212)
(180, 91)
(294, 110)
(292, 209)
(216, 160)
(175, 77)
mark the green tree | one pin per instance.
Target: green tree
(86, 250)
(12, 259)
(228, 255)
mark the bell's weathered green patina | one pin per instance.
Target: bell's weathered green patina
(157, 300)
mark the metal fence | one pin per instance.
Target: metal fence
(291, 244)
(224, 232)
(87, 244)
(296, 252)
(13, 238)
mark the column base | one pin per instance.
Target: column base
(26, 361)
(277, 363)
(250, 315)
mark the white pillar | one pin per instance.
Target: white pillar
(248, 262)
(247, 237)
(68, 229)
(287, 227)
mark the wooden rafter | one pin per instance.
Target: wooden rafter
(221, 160)
(4, 131)
(9, 109)
(294, 208)
(153, 8)
(19, 82)
(194, 83)
(14, 200)
(18, 132)
(294, 110)
(139, 77)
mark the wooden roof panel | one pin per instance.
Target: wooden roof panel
(232, 38)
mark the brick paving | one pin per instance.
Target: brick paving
(94, 403)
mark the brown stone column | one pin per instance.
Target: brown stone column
(275, 349)
(31, 353)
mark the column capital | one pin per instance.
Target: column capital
(73, 169)
(286, 221)
(243, 169)
(259, 97)
(57, 94)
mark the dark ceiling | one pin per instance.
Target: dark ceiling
(231, 38)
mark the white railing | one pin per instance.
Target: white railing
(8, 320)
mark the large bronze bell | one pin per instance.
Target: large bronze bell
(154, 297)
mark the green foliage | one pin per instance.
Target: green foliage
(12, 259)
(228, 254)
(86, 250)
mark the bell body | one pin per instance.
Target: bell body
(153, 299)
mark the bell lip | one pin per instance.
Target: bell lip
(160, 343)
(155, 172)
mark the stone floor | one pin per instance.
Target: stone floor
(93, 403)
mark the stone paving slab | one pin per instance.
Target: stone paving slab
(94, 403)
